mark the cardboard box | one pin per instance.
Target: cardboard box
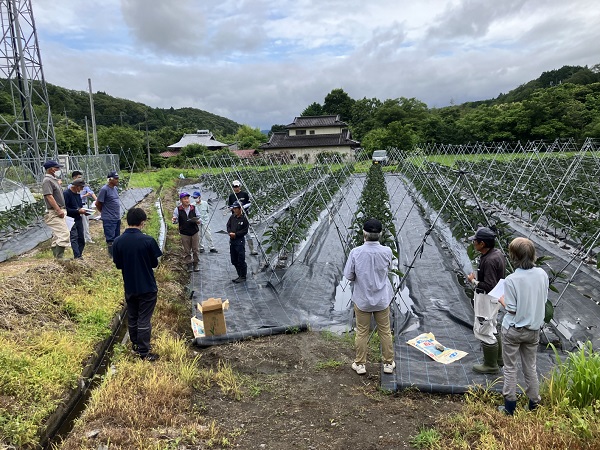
(213, 317)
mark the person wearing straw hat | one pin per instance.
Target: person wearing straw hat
(186, 216)
(367, 267)
(203, 211)
(55, 209)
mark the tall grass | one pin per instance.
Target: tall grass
(575, 382)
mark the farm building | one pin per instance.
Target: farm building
(308, 136)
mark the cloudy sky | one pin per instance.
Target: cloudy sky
(262, 62)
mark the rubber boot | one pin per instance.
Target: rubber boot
(188, 267)
(109, 248)
(196, 268)
(533, 405)
(54, 251)
(251, 247)
(60, 252)
(490, 359)
(509, 407)
(500, 359)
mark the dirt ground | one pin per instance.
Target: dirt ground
(307, 396)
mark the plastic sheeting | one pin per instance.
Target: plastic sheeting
(28, 238)
(312, 290)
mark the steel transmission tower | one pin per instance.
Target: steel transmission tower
(26, 128)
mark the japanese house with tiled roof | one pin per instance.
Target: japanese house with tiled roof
(201, 137)
(308, 136)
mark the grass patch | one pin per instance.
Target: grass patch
(427, 438)
(329, 364)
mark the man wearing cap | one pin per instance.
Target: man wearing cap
(204, 214)
(87, 196)
(243, 198)
(108, 205)
(74, 206)
(55, 209)
(187, 217)
(491, 269)
(367, 267)
(237, 227)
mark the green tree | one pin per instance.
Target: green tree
(338, 102)
(249, 138)
(70, 139)
(314, 109)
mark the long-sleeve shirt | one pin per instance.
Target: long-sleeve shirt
(525, 295)
(203, 211)
(492, 268)
(368, 266)
(72, 204)
(238, 225)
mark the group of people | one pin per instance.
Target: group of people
(525, 294)
(193, 216)
(518, 331)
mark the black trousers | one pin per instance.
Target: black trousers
(237, 252)
(77, 238)
(140, 308)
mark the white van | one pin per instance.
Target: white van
(380, 157)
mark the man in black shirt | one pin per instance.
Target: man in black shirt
(75, 210)
(136, 255)
(243, 198)
(237, 227)
(492, 268)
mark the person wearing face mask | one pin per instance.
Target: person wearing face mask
(55, 209)
(74, 206)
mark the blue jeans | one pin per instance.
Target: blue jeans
(112, 229)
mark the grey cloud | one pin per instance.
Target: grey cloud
(472, 18)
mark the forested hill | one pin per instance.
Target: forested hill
(74, 106)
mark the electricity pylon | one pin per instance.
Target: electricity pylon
(26, 128)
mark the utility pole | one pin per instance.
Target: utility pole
(93, 118)
(121, 116)
(66, 119)
(148, 141)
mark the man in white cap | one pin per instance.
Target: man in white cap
(491, 269)
(243, 198)
(367, 267)
(204, 214)
(55, 209)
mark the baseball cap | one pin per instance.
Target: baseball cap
(50, 164)
(196, 194)
(78, 182)
(373, 226)
(483, 233)
(112, 174)
(236, 183)
(236, 205)
(184, 194)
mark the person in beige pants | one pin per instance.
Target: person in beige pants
(55, 209)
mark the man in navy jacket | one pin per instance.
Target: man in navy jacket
(136, 255)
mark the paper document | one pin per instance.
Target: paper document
(498, 290)
(427, 344)
(70, 222)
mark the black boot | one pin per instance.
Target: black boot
(533, 405)
(500, 359)
(490, 360)
(189, 267)
(109, 248)
(509, 407)
(60, 252)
